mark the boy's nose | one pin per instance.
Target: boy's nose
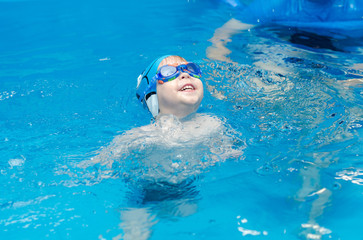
(184, 75)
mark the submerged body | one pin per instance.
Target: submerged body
(160, 162)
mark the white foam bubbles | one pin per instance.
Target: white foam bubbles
(17, 162)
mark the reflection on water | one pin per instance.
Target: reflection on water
(293, 97)
(353, 175)
(245, 231)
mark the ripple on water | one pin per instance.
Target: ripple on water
(353, 175)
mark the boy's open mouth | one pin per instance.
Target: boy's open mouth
(187, 87)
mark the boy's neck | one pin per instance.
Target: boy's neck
(180, 118)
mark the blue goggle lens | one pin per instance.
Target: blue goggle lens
(193, 68)
(167, 71)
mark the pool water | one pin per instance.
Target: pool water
(67, 87)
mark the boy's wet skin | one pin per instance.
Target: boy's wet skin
(181, 96)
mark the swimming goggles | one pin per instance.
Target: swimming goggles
(171, 71)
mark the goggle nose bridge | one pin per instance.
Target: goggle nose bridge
(183, 67)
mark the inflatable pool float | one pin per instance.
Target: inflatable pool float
(337, 16)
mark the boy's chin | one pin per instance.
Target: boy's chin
(192, 100)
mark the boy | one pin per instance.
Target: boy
(180, 142)
(160, 160)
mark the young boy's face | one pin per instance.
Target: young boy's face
(181, 96)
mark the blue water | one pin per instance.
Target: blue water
(67, 87)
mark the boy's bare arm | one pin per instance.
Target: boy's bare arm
(118, 149)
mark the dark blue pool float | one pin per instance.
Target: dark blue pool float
(338, 16)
